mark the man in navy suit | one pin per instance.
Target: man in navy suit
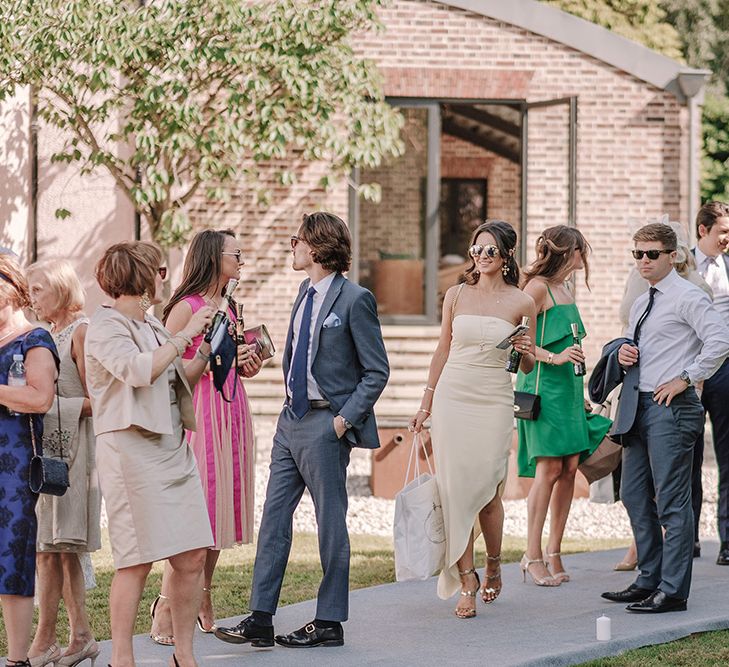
(712, 262)
(335, 367)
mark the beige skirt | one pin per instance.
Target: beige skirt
(153, 495)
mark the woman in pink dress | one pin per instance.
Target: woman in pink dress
(224, 442)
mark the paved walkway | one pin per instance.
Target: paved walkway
(406, 624)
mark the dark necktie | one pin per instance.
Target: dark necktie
(651, 296)
(297, 381)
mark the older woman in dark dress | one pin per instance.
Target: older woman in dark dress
(21, 413)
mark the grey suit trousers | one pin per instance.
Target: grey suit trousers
(306, 454)
(656, 489)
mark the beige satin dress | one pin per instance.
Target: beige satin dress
(472, 425)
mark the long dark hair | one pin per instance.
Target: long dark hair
(203, 266)
(505, 237)
(555, 247)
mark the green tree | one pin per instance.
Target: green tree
(642, 21)
(177, 97)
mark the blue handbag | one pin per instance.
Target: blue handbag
(223, 355)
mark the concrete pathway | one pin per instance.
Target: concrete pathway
(406, 624)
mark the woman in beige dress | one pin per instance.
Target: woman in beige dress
(141, 399)
(470, 396)
(68, 525)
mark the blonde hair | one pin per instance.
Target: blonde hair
(13, 284)
(63, 281)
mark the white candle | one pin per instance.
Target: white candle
(603, 628)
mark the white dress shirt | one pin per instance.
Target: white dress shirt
(714, 271)
(682, 332)
(322, 287)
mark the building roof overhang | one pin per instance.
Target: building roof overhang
(594, 40)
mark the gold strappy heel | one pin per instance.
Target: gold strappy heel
(488, 595)
(164, 640)
(560, 576)
(468, 613)
(539, 581)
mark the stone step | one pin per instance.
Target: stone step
(393, 391)
(392, 410)
(410, 331)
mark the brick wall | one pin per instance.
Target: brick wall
(631, 153)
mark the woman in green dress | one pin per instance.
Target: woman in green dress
(552, 446)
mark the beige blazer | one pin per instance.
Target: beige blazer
(119, 371)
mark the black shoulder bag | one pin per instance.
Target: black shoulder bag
(526, 405)
(47, 474)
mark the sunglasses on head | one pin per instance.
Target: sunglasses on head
(651, 254)
(478, 250)
(162, 270)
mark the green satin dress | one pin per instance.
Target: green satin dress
(563, 428)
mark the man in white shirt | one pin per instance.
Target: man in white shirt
(678, 339)
(712, 262)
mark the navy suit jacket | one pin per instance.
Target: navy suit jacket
(349, 361)
(607, 375)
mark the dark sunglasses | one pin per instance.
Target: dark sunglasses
(651, 254)
(162, 270)
(478, 250)
(294, 241)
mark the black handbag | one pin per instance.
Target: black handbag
(527, 405)
(222, 359)
(48, 474)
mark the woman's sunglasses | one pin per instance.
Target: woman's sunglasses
(162, 270)
(236, 253)
(478, 250)
(651, 254)
(294, 241)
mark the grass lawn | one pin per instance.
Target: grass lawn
(372, 564)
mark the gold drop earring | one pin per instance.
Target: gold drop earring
(145, 302)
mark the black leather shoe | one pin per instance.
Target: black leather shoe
(723, 557)
(657, 603)
(247, 631)
(697, 549)
(310, 635)
(632, 593)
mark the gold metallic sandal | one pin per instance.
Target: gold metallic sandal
(468, 613)
(488, 595)
(560, 576)
(164, 640)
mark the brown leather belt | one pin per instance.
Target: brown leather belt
(319, 404)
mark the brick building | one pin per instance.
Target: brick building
(513, 110)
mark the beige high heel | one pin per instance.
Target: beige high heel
(488, 595)
(468, 613)
(549, 580)
(89, 652)
(560, 576)
(48, 657)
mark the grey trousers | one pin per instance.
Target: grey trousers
(306, 454)
(656, 489)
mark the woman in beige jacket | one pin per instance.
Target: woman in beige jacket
(141, 399)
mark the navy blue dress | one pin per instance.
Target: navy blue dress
(17, 504)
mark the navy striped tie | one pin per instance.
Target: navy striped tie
(300, 366)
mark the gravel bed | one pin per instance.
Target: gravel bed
(368, 515)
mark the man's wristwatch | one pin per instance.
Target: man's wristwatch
(347, 424)
(685, 377)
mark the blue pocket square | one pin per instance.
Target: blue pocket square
(332, 321)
